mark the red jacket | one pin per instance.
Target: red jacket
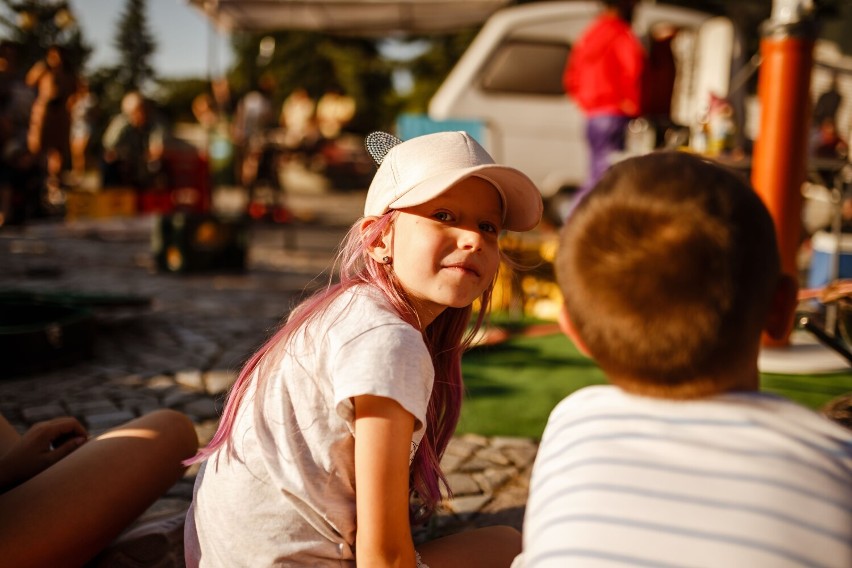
(604, 69)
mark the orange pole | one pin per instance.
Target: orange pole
(780, 152)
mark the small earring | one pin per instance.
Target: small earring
(386, 260)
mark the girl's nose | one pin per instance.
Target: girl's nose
(469, 239)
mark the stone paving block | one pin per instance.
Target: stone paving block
(504, 441)
(160, 382)
(107, 420)
(9, 408)
(205, 431)
(452, 462)
(146, 408)
(132, 380)
(491, 479)
(138, 404)
(493, 455)
(201, 409)
(465, 446)
(474, 464)
(462, 485)
(219, 381)
(465, 507)
(35, 414)
(177, 397)
(521, 456)
(95, 406)
(190, 378)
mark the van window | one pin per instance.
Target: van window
(526, 67)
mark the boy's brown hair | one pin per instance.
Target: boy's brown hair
(667, 269)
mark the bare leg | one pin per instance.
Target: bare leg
(72, 510)
(489, 547)
(78, 156)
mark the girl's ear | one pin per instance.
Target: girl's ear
(380, 248)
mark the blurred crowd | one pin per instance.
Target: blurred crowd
(55, 137)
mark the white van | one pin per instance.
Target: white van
(507, 87)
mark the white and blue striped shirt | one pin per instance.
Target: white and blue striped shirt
(739, 480)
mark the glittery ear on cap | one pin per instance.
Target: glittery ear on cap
(379, 144)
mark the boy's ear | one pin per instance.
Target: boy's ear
(381, 246)
(779, 320)
(567, 327)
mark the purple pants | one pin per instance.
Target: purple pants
(605, 135)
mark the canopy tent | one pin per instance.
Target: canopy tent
(352, 17)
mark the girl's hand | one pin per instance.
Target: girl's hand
(40, 447)
(383, 432)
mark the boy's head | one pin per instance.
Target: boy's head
(670, 270)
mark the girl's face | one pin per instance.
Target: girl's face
(445, 251)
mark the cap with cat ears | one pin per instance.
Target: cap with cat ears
(417, 170)
(379, 144)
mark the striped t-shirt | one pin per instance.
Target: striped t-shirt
(739, 480)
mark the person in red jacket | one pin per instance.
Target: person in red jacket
(603, 76)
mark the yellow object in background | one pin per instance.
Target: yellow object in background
(114, 202)
(529, 288)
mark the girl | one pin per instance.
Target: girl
(361, 388)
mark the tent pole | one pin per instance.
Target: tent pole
(780, 151)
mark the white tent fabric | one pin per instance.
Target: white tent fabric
(356, 17)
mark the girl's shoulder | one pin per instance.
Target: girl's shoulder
(364, 307)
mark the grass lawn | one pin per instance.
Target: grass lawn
(512, 386)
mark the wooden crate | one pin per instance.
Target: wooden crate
(114, 202)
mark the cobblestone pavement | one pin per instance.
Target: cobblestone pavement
(183, 349)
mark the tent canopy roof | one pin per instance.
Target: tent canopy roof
(355, 17)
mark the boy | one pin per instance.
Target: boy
(670, 274)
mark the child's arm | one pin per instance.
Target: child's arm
(40, 447)
(8, 435)
(383, 432)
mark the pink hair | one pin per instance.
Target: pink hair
(446, 340)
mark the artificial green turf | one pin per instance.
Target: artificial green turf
(512, 386)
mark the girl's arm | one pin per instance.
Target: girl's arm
(383, 432)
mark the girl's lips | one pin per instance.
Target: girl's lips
(465, 267)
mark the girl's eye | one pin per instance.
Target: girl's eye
(488, 227)
(443, 216)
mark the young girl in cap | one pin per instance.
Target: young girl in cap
(345, 412)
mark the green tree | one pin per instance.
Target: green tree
(135, 46)
(318, 63)
(430, 69)
(35, 25)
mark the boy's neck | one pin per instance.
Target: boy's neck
(746, 380)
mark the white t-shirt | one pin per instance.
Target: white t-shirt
(739, 480)
(286, 497)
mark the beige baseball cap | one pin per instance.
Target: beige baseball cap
(422, 168)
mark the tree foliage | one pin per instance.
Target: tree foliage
(318, 63)
(135, 46)
(35, 25)
(430, 69)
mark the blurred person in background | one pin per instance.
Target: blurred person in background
(133, 145)
(20, 175)
(253, 118)
(603, 75)
(84, 106)
(50, 119)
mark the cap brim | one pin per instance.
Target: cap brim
(521, 198)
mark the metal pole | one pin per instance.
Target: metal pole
(780, 152)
